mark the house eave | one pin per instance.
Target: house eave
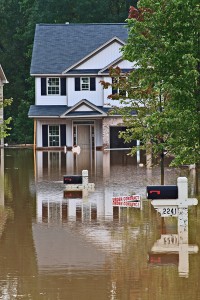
(43, 117)
(83, 117)
(47, 75)
(66, 75)
(3, 76)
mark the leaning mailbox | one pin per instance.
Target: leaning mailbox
(162, 192)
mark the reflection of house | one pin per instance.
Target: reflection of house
(3, 80)
(71, 106)
(56, 163)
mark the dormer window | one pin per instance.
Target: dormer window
(53, 86)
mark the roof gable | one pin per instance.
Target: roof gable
(99, 55)
(83, 107)
(112, 64)
(57, 47)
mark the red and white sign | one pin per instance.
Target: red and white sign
(127, 201)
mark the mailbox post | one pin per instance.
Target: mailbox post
(177, 207)
(169, 200)
(79, 183)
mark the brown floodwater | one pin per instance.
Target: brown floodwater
(58, 244)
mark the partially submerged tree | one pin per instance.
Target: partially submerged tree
(164, 44)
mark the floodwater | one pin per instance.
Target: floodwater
(56, 243)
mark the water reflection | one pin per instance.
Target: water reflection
(1, 177)
(63, 206)
(3, 213)
(174, 248)
(70, 244)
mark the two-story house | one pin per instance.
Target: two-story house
(71, 105)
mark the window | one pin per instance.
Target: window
(85, 83)
(53, 86)
(116, 89)
(54, 134)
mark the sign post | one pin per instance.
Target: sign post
(127, 201)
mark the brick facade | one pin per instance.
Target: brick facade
(107, 123)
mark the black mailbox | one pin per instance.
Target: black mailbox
(72, 194)
(72, 179)
(162, 192)
(163, 259)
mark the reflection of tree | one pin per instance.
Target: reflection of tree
(17, 253)
(3, 218)
(17, 178)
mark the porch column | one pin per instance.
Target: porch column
(106, 133)
(106, 123)
(34, 134)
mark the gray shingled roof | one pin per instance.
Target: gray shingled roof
(47, 110)
(59, 46)
(58, 110)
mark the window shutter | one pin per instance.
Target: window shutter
(45, 135)
(92, 84)
(43, 86)
(63, 134)
(77, 84)
(63, 86)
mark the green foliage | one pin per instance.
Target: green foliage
(17, 25)
(163, 44)
(5, 124)
(23, 127)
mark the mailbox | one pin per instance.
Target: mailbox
(162, 192)
(163, 259)
(72, 179)
(72, 194)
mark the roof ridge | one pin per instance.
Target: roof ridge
(78, 24)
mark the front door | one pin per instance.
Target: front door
(83, 136)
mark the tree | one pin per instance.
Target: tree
(17, 25)
(163, 42)
(23, 125)
(5, 123)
